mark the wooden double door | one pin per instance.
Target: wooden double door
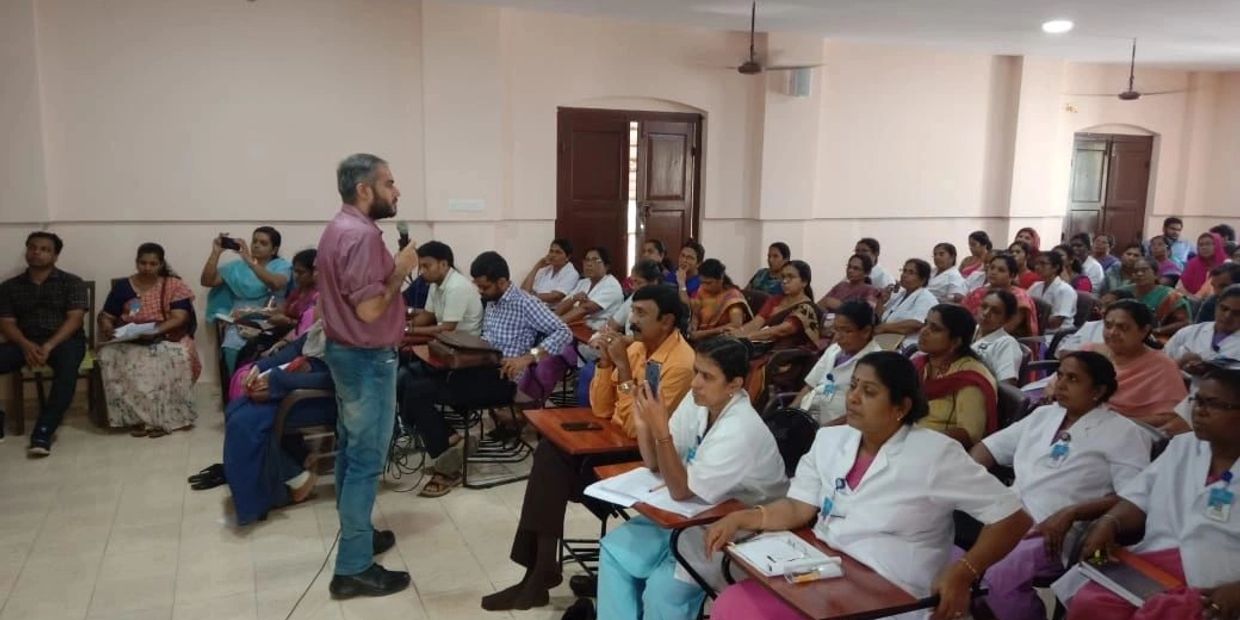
(1110, 186)
(624, 176)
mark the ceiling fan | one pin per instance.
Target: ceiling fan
(753, 66)
(1132, 94)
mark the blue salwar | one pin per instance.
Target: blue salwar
(637, 576)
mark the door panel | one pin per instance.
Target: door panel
(1128, 181)
(1087, 193)
(591, 178)
(666, 181)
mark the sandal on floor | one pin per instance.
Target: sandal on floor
(155, 433)
(209, 482)
(439, 485)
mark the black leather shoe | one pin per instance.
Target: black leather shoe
(382, 541)
(585, 586)
(583, 609)
(374, 581)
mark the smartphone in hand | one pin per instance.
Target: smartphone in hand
(653, 370)
(228, 243)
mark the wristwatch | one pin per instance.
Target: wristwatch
(627, 387)
(535, 353)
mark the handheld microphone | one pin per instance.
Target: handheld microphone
(402, 228)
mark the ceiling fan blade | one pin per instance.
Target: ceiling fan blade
(753, 24)
(792, 67)
(1161, 92)
(1090, 95)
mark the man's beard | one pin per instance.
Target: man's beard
(381, 209)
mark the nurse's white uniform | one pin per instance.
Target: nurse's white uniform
(828, 382)
(898, 521)
(1173, 493)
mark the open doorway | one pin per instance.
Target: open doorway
(624, 176)
(1110, 186)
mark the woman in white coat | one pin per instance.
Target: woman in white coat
(883, 491)
(1069, 458)
(823, 394)
(1185, 503)
(904, 311)
(713, 447)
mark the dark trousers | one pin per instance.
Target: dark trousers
(64, 360)
(556, 478)
(467, 388)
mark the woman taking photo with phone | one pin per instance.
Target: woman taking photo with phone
(256, 281)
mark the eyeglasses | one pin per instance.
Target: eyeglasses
(1213, 404)
(590, 259)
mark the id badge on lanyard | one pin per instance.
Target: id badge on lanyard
(692, 453)
(828, 501)
(1218, 505)
(1059, 449)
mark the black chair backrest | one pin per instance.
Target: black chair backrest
(1013, 404)
(794, 431)
(1086, 305)
(1044, 313)
(755, 299)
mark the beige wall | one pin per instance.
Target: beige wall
(137, 120)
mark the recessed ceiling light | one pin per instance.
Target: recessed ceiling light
(1057, 26)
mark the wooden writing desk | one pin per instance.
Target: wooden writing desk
(861, 593)
(608, 439)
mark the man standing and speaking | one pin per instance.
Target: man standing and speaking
(363, 317)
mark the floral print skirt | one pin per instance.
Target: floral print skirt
(149, 384)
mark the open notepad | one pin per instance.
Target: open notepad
(785, 553)
(132, 331)
(647, 487)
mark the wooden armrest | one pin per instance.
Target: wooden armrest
(294, 397)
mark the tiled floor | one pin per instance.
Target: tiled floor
(107, 528)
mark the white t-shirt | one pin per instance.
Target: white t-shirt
(1094, 271)
(545, 281)
(1105, 451)
(736, 458)
(898, 521)
(1000, 352)
(456, 300)
(879, 277)
(1089, 333)
(608, 294)
(904, 306)
(622, 313)
(1061, 297)
(829, 381)
(947, 283)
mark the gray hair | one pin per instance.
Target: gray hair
(356, 168)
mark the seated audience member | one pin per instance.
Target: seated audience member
(1072, 270)
(1195, 281)
(766, 279)
(1055, 292)
(946, 284)
(854, 339)
(258, 479)
(148, 382)
(1179, 506)
(1025, 275)
(416, 293)
(1197, 344)
(1169, 307)
(1030, 236)
(686, 276)
(556, 477)
(1069, 457)
(997, 349)
(999, 275)
(1120, 273)
(1226, 232)
(297, 313)
(897, 520)
(1221, 277)
(1161, 252)
(41, 312)
(1178, 248)
(719, 306)
(960, 388)
(553, 277)
(653, 249)
(1091, 331)
(645, 273)
(788, 321)
(855, 286)
(904, 312)
(879, 277)
(597, 295)
(255, 282)
(1080, 245)
(1150, 384)
(452, 302)
(1101, 251)
(973, 267)
(531, 340)
(713, 447)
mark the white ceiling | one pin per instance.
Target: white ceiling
(1198, 34)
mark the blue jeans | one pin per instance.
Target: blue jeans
(64, 361)
(366, 400)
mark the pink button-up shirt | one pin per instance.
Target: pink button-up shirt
(353, 265)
